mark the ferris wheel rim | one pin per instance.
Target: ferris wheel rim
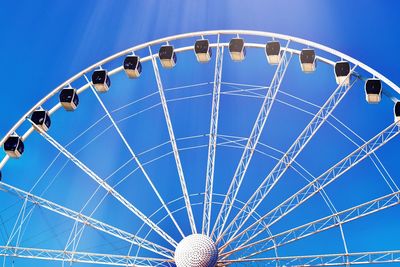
(171, 38)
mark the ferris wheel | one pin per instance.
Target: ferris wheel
(255, 148)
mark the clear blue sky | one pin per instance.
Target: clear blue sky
(45, 42)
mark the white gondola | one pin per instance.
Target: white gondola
(69, 99)
(273, 52)
(342, 71)
(237, 50)
(13, 146)
(167, 56)
(41, 119)
(373, 91)
(203, 50)
(308, 60)
(397, 113)
(132, 66)
(101, 81)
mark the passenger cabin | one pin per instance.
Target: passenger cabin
(203, 50)
(273, 52)
(397, 113)
(13, 146)
(308, 60)
(373, 91)
(41, 119)
(132, 66)
(101, 81)
(167, 56)
(342, 71)
(237, 49)
(69, 99)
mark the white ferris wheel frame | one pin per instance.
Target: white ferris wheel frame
(364, 151)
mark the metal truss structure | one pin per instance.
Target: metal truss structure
(242, 232)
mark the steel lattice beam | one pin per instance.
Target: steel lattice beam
(322, 224)
(320, 182)
(79, 217)
(251, 144)
(344, 259)
(212, 145)
(81, 257)
(288, 158)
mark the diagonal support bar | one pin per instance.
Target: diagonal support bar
(212, 143)
(106, 186)
(320, 182)
(174, 145)
(289, 157)
(251, 144)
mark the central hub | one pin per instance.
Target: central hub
(196, 251)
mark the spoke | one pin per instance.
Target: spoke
(320, 182)
(323, 224)
(128, 146)
(106, 186)
(82, 257)
(251, 144)
(344, 259)
(212, 145)
(289, 157)
(79, 217)
(322, 192)
(173, 144)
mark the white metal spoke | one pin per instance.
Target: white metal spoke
(106, 186)
(135, 157)
(81, 218)
(212, 145)
(251, 143)
(320, 182)
(81, 257)
(344, 259)
(173, 144)
(322, 224)
(322, 193)
(298, 145)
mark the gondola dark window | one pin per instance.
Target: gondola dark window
(14, 147)
(101, 81)
(132, 66)
(342, 71)
(373, 91)
(41, 119)
(203, 50)
(272, 51)
(69, 98)
(167, 56)
(237, 49)
(307, 60)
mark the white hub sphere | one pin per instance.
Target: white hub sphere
(196, 251)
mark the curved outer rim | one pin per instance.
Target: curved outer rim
(190, 35)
